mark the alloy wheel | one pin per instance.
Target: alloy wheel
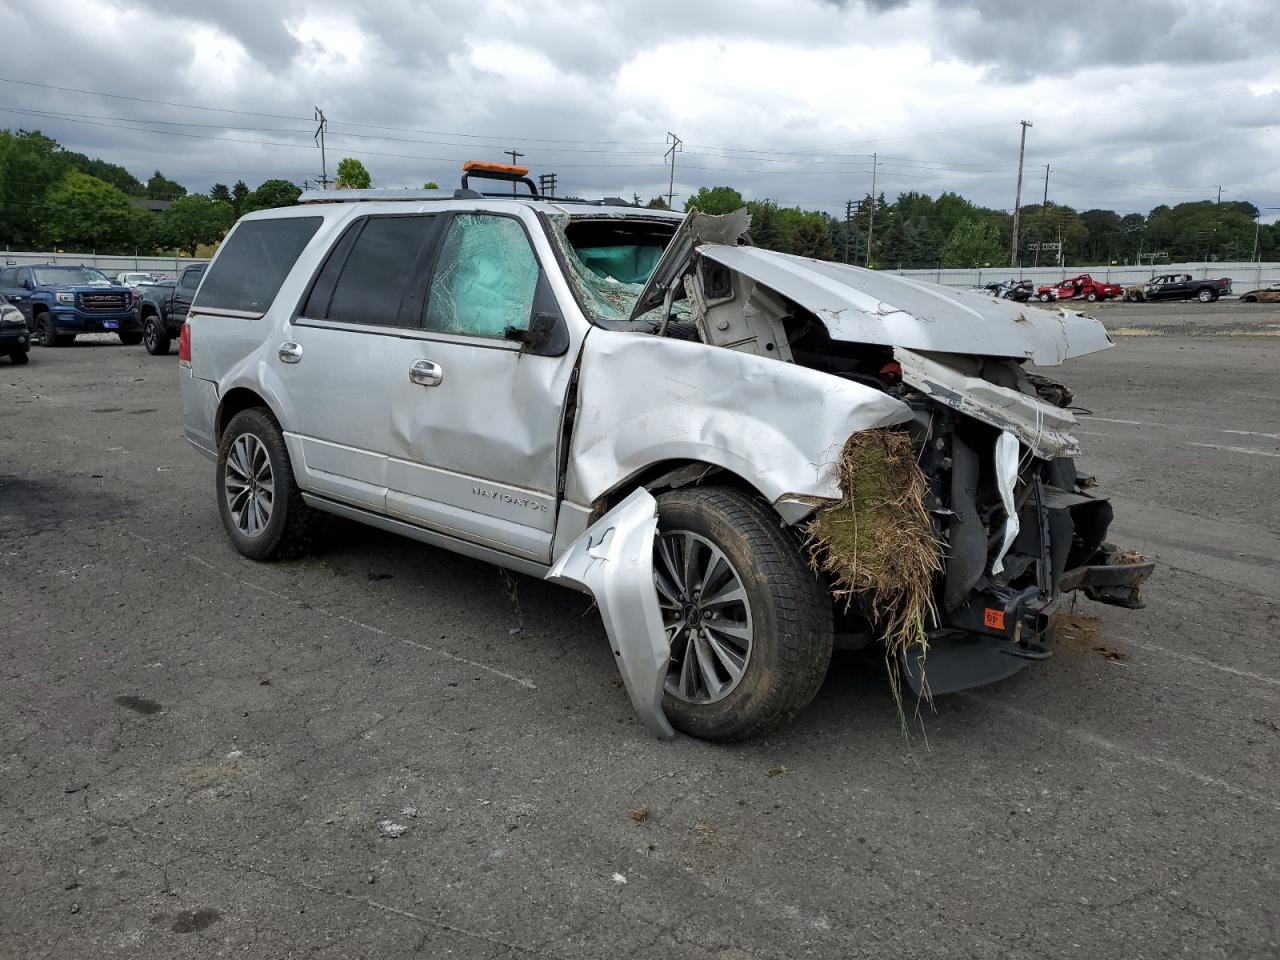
(249, 484)
(706, 614)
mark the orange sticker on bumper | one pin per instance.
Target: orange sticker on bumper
(993, 618)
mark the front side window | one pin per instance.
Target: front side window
(485, 278)
(254, 262)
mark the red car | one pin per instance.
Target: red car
(1083, 287)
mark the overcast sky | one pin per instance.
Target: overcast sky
(1133, 104)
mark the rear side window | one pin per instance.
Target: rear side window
(190, 279)
(253, 263)
(9, 277)
(375, 274)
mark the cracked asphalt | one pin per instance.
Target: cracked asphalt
(384, 750)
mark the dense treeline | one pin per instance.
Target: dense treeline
(916, 230)
(54, 198)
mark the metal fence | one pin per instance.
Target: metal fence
(1244, 275)
(108, 265)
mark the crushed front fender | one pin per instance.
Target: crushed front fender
(613, 561)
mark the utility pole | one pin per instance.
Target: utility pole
(1017, 196)
(547, 184)
(319, 138)
(515, 155)
(1219, 196)
(671, 152)
(1044, 215)
(871, 225)
(848, 227)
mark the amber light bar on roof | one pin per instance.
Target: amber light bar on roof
(483, 166)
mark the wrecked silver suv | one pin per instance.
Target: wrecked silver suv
(743, 456)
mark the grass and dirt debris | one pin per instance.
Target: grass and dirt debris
(878, 545)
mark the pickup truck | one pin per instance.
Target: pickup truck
(165, 306)
(1083, 287)
(61, 301)
(1179, 286)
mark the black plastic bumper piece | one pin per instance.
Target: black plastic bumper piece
(1107, 579)
(961, 660)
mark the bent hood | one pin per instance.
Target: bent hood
(868, 306)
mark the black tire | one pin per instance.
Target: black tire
(286, 531)
(44, 334)
(19, 357)
(790, 614)
(130, 339)
(1248, 299)
(1206, 295)
(1042, 297)
(1091, 296)
(154, 337)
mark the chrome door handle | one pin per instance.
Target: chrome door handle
(290, 352)
(426, 373)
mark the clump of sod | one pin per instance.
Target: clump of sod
(877, 544)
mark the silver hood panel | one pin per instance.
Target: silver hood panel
(868, 306)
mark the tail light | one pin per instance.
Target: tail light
(184, 344)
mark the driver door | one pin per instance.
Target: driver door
(475, 416)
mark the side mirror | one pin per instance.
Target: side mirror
(537, 335)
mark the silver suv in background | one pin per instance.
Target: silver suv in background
(647, 408)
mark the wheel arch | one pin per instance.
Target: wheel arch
(234, 401)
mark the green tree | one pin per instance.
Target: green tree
(30, 163)
(239, 194)
(160, 187)
(431, 185)
(972, 243)
(657, 203)
(352, 175)
(193, 220)
(219, 193)
(84, 214)
(271, 194)
(714, 200)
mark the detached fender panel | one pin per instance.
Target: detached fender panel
(644, 399)
(613, 561)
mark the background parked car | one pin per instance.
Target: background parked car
(1181, 286)
(14, 337)
(1019, 290)
(60, 301)
(1269, 294)
(164, 309)
(133, 279)
(1083, 287)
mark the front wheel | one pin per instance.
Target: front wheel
(1042, 297)
(1206, 296)
(1248, 299)
(261, 507)
(45, 335)
(155, 338)
(749, 623)
(1091, 296)
(18, 358)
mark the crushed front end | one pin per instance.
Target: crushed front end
(1019, 525)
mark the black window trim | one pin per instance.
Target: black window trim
(420, 332)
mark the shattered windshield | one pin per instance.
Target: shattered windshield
(607, 267)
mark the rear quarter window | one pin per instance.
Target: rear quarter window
(254, 262)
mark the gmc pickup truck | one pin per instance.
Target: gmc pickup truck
(165, 306)
(1179, 286)
(60, 301)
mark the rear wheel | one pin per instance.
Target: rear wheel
(155, 338)
(261, 507)
(1091, 296)
(1206, 296)
(1042, 297)
(748, 621)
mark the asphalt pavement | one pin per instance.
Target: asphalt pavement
(384, 750)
